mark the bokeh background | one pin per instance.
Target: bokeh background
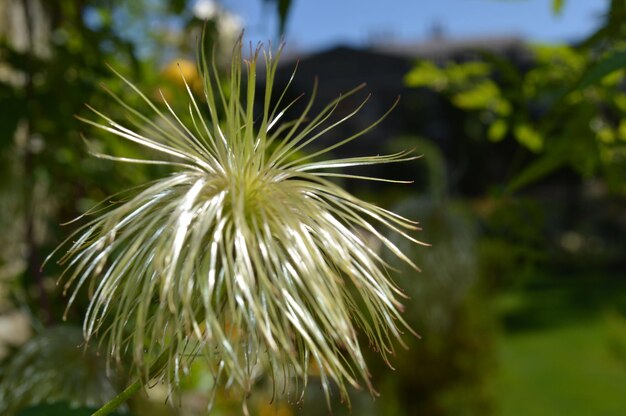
(518, 108)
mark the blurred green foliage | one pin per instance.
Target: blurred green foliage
(566, 106)
(46, 80)
(53, 368)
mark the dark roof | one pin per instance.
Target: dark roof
(434, 49)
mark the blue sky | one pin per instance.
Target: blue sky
(315, 24)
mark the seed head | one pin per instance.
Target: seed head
(248, 255)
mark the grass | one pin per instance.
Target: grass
(567, 358)
(563, 371)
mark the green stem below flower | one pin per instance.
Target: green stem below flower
(130, 391)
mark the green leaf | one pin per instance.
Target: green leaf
(497, 130)
(177, 6)
(557, 6)
(535, 171)
(477, 97)
(528, 137)
(597, 72)
(426, 74)
(60, 409)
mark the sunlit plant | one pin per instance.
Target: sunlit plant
(248, 255)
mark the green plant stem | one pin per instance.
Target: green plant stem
(118, 400)
(130, 391)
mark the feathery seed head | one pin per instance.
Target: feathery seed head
(248, 255)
